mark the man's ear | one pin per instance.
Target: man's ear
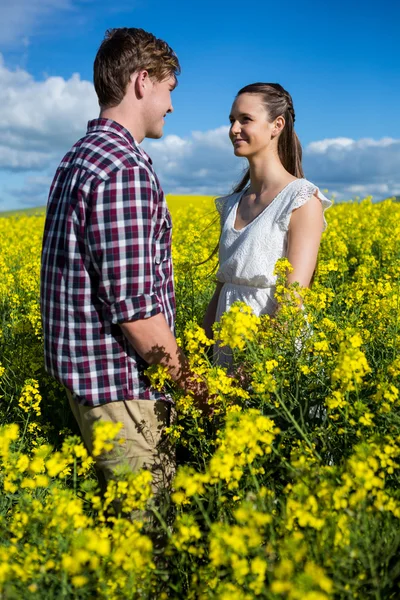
(141, 81)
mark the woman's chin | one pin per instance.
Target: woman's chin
(239, 151)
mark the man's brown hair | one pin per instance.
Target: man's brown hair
(123, 52)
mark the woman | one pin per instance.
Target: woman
(273, 212)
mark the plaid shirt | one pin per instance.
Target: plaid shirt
(106, 259)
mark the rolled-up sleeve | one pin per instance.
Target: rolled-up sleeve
(122, 245)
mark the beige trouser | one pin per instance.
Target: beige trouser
(145, 446)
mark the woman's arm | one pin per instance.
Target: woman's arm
(304, 237)
(209, 318)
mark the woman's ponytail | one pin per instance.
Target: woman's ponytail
(289, 147)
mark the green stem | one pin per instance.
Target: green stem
(161, 520)
(24, 432)
(297, 427)
(75, 476)
(202, 510)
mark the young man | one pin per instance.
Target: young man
(107, 293)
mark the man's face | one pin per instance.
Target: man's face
(158, 105)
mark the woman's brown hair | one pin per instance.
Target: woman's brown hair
(278, 102)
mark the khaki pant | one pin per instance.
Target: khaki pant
(145, 446)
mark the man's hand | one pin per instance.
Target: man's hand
(155, 343)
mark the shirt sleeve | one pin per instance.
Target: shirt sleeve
(121, 240)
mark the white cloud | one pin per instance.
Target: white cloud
(324, 145)
(32, 192)
(43, 115)
(20, 17)
(202, 163)
(23, 19)
(40, 120)
(22, 160)
(350, 167)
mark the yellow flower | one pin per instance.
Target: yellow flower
(104, 434)
(186, 532)
(283, 267)
(8, 434)
(30, 398)
(22, 463)
(237, 326)
(366, 419)
(352, 365)
(79, 581)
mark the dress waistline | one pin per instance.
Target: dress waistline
(250, 287)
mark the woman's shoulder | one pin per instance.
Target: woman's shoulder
(300, 192)
(304, 190)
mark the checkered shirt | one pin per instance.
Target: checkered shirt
(106, 259)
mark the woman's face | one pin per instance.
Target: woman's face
(250, 131)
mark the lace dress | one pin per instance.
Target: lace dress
(247, 257)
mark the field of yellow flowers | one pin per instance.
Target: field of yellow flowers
(289, 491)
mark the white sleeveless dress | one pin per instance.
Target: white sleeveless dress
(247, 257)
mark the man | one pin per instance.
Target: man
(107, 294)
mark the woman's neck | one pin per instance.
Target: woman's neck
(266, 172)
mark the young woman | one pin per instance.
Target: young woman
(273, 212)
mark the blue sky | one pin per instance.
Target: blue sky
(339, 61)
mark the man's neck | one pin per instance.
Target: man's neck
(118, 115)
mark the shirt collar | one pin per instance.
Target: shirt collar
(114, 127)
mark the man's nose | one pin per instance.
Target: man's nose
(171, 109)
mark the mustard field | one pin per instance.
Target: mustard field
(289, 491)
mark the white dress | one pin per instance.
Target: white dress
(247, 257)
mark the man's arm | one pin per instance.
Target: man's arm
(154, 342)
(122, 246)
